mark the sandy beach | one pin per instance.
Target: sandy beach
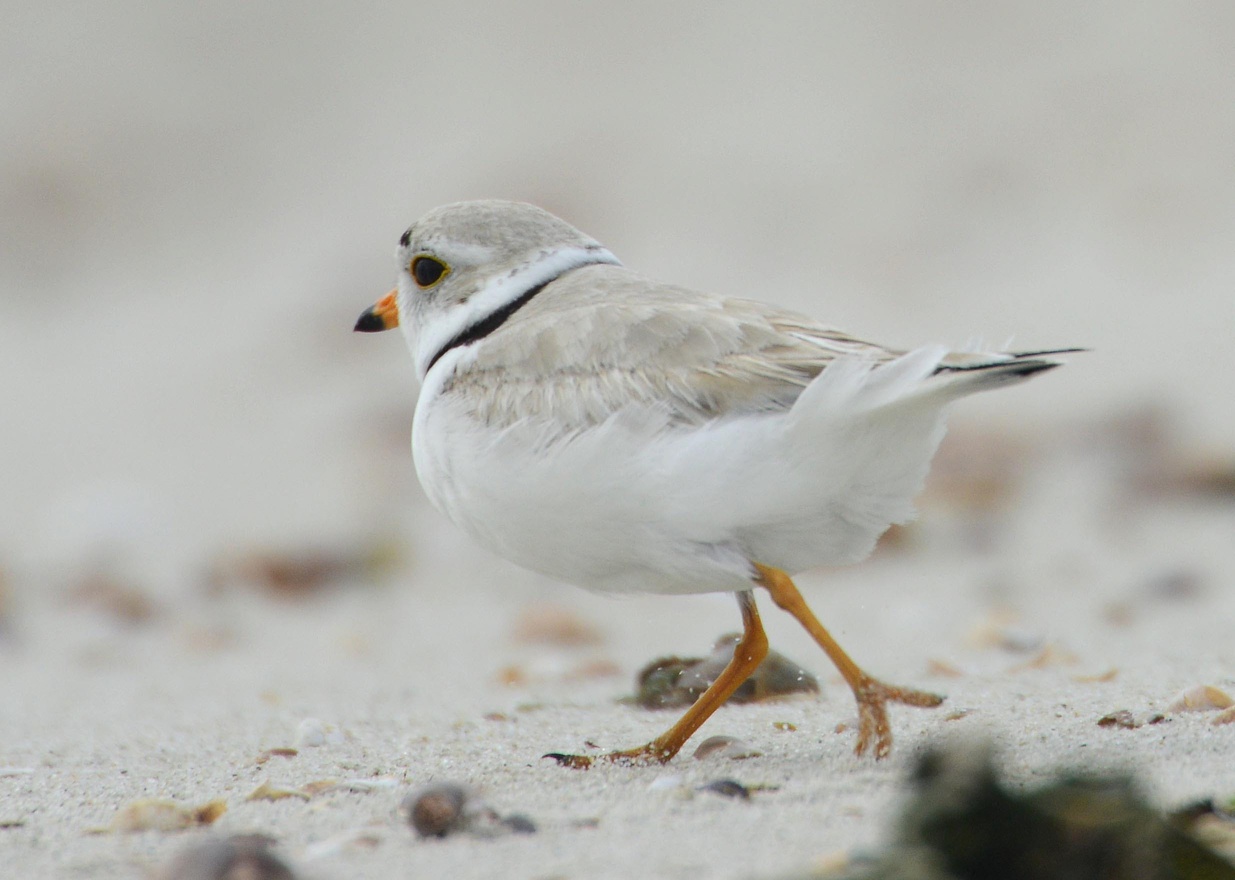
(213, 545)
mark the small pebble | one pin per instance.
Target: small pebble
(238, 857)
(665, 783)
(519, 824)
(1123, 718)
(1119, 613)
(942, 668)
(312, 733)
(298, 573)
(1175, 586)
(1202, 698)
(727, 788)
(446, 808)
(124, 601)
(1020, 640)
(555, 625)
(437, 810)
(1051, 655)
(597, 667)
(988, 632)
(365, 838)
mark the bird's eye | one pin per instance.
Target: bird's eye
(427, 271)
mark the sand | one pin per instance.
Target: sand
(411, 680)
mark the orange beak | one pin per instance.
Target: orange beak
(382, 315)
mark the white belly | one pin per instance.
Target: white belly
(633, 505)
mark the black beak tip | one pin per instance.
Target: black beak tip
(369, 322)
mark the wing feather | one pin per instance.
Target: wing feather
(602, 338)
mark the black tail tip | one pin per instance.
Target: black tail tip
(1029, 368)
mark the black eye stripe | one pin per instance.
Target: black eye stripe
(426, 271)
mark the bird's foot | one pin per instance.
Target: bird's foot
(643, 756)
(873, 697)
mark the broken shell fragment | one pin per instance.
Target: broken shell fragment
(674, 682)
(158, 814)
(726, 747)
(1226, 716)
(268, 792)
(1202, 698)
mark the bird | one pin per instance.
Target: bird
(627, 435)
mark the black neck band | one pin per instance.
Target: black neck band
(488, 324)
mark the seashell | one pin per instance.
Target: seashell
(726, 747)
(1202, 698)
(159, 814)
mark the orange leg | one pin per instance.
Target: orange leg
(747, 655)
(872, 695)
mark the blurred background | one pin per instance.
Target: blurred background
(196, 202)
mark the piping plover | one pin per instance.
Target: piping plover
(621, 434)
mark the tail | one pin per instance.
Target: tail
(855, 448)
(962, 373)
